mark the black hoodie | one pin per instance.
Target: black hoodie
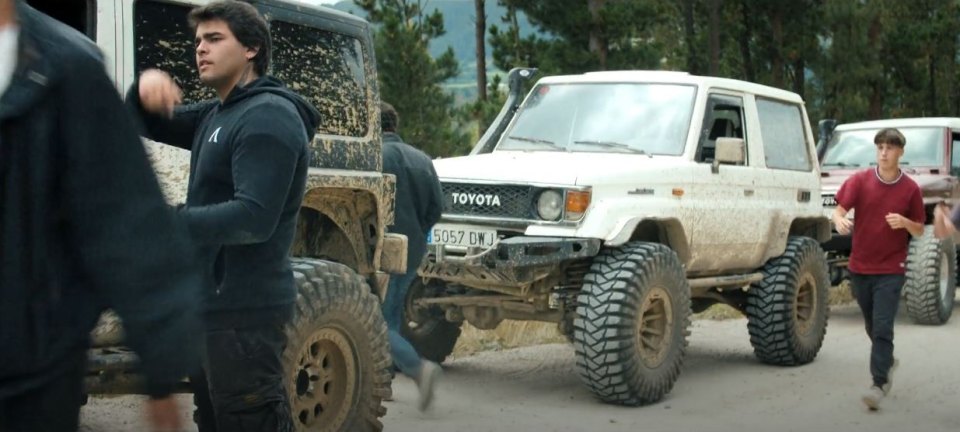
(248, 170)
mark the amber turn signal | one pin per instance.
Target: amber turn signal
(577, 203)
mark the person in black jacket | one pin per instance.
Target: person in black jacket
(83, 226)
(419, 203)
(248, 167)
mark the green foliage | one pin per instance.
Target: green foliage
(850, 59)
(410, 78)
(622, 28)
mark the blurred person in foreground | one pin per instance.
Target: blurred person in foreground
(83, 226)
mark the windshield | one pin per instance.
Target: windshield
(622, 118)
(855, 148)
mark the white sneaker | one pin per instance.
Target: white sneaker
(429, 375)
(873, 397)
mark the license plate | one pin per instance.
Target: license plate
(461, 235)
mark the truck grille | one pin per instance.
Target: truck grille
(504, 201)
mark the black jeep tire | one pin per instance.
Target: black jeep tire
(931, 280)
(337, 361)
(433, 336)
(633, 314)
(787, 310)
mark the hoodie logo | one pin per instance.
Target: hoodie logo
(214, 135)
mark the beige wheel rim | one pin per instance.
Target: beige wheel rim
(323, 385)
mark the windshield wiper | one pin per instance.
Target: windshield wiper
(841, 164)
(536, 140)
(901, 163)
(616, 145)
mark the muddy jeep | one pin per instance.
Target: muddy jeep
(932, 159)
(337, 358)
(616, 203)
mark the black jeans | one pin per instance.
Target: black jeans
(879, 299)
(241, 386)
(52, 407)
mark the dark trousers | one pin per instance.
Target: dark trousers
(241, 387)
(879, 299)
(52, 407)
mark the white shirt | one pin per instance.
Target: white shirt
(8, 55)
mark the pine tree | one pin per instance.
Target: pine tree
(410, 78)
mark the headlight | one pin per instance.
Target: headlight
(550, 205)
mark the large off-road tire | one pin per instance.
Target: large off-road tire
(787, 311)
(633, 314)
(427, 327)
(337, 361)
(931, 281)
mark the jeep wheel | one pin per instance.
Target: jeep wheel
(931, 281)
(787, 311)
(337, 357)
(431, 334)
(630, 334)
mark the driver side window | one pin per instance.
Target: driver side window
(723, 119)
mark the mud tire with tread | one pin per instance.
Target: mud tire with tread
(631, 293)
(787, 311)
(337, 360)
(928, 293)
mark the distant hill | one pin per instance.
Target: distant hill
(458, 21)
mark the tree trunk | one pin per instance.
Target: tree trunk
(776, 48)
(745, 36)
(693, 65)
(875, 109)
(799, 80)
(598, 41)
(481, 31)
(714, 37)
(932, 70)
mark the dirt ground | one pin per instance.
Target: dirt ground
(722, 388)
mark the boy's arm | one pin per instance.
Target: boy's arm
(943, 226)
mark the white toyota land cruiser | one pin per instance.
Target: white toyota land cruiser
(613, 204)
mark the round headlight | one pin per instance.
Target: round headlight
(550, 205)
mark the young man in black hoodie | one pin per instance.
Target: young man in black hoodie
(83, 226)
(248, 167)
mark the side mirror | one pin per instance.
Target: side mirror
(826, 127)
(729, 151)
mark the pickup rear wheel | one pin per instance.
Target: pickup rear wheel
(787, 310)
(931, 281)
(633, 314)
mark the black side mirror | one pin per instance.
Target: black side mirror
(826, 127)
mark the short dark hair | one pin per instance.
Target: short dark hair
(890, 136)
(389, 119)
(246, 24)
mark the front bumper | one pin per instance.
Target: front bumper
(513, 262)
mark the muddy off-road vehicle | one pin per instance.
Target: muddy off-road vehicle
(614, 204)
(337, 359)
(932, 159)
